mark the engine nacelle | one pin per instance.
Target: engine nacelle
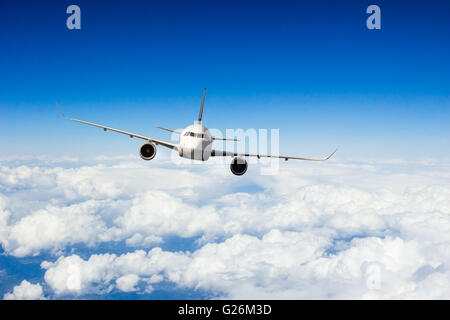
(147, 151)
(238, 166)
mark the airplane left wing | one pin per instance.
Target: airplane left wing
(218, 153)
(130, 134)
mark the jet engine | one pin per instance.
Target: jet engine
(238, 166)
(147, 151)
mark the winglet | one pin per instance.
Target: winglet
(200, 115)
(330, 155)
(62, 114)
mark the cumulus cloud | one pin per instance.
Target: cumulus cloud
(344, 229)
(278, 265)
(138, 240)
(25, 291)
(127, 283)
(213, 267)
(73, 275)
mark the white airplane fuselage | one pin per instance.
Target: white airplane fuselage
(195, 142)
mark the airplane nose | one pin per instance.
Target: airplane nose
(198, 144)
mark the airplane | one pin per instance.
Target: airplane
(195, 143)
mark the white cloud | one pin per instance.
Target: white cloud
(53, 228)
(278, 265)
(163, 213)
(127, 283)
(25, 291)
(138, 240)
(4, 216)
(73, 275)
(334, 230)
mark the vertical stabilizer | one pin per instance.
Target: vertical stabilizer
(200, 115)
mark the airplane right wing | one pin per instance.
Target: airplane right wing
(167, 144)
(218, 153)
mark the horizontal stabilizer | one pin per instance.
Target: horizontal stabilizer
(177, 132)
(223, 139)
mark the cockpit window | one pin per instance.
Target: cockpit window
(196, 135)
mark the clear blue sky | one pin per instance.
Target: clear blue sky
(311, 69)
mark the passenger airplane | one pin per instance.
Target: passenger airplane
(195, 143)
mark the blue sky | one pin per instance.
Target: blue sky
(155, 230)
(311, 69)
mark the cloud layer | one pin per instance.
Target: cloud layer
(349, 229)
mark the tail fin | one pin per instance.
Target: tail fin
(200, 115)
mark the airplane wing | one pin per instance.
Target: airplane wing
(218, 153)
(130, 134)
